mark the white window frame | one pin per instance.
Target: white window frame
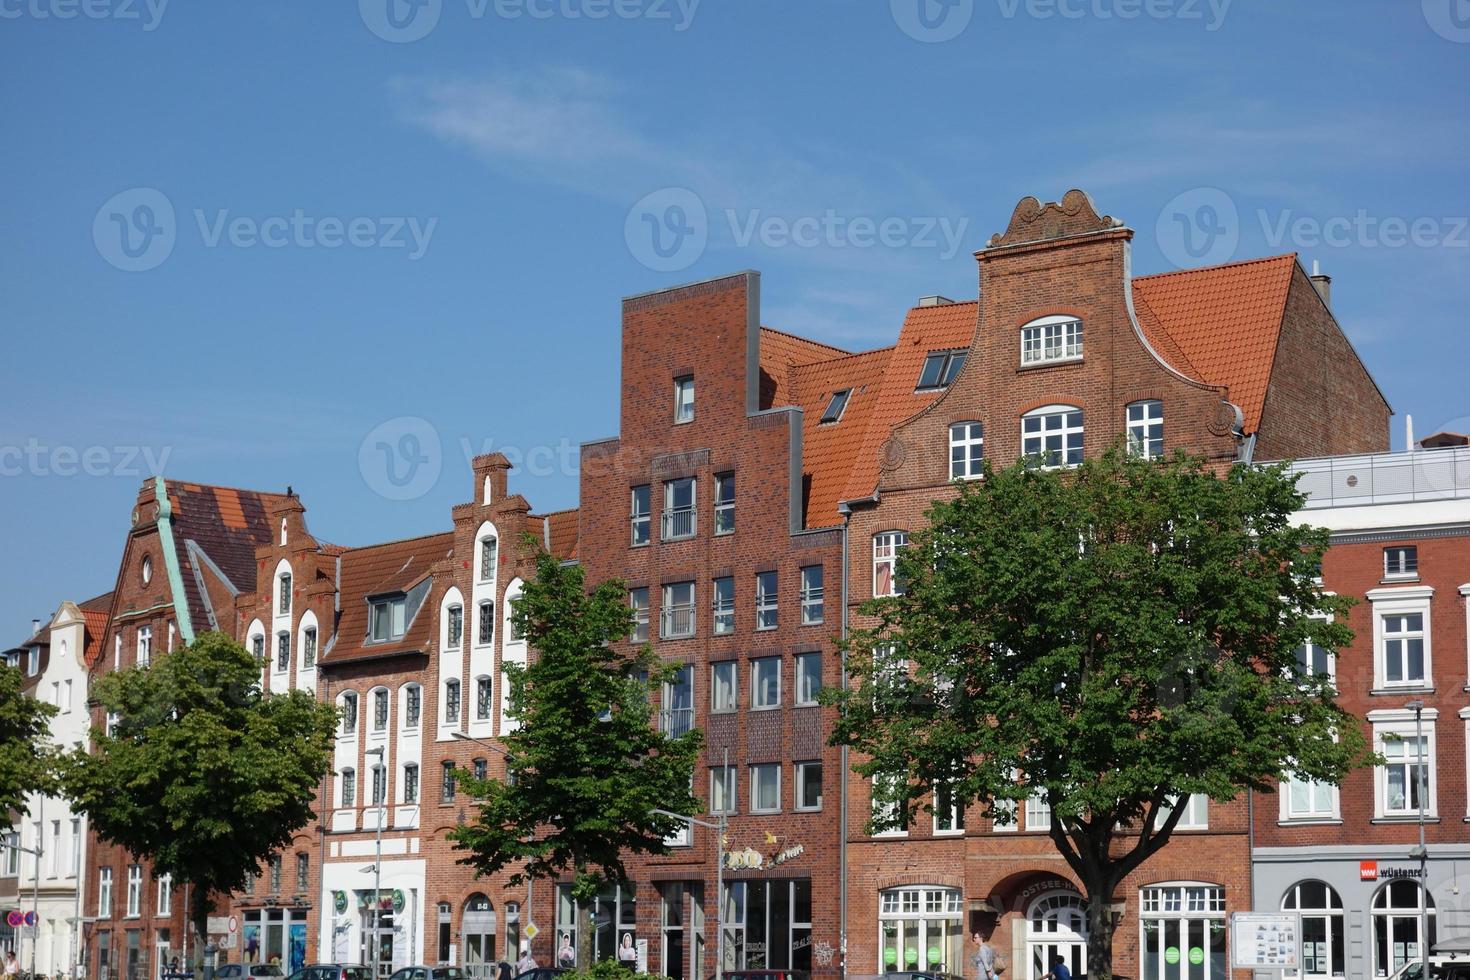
(724, 509)
(347, 788)
(145, 646)
(1140, 442)
(1401, 576)
(1038, 812)
(1330, 813)
(756, 702)
(672, 512)
(1033, 445)
(963, 438)
(104, 893)
(724, 689)
(677, 620)
(1400, 602)
(640, 519)
(878, 807)
(684, 399)
(135, 891)
(955, 812)
(1395, 725)
(723, 779)
(1056, 339)
(806, 694)
(756, 769)
(165, 895)
(722, 610)
(813, 597)
(886, 545)
(767, 601)
(1196, 812)
(801, 771)
(640, 614)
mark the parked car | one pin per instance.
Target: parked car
(430, 973)
(332, 971)
(248, 971)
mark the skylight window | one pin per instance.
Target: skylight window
(940, 368)
(837, 405)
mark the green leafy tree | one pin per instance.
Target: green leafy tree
(589, 765)
(204, 774)
(27, 763)
(1111, 638)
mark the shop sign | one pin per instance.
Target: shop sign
(752, 860)
(1370, 871)
(1045, 885)
(1265, 941)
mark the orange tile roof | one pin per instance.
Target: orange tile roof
(1225, 320)
(564, 529)
(95, 625)
(925, 329)
(780, 352)
(828, 450)
(396, 566)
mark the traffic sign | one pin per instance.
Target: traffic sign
(14, 918)
(30, 919)
(532, 930)
(234, 924)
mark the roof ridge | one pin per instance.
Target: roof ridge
(1294, 256)
(416, 537)
(176, 482)
(805, 340)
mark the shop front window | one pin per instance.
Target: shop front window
(1183, 932)
(921, 929)
(613, 912)
(1396, 912)
(768, 925)
(1323, 929)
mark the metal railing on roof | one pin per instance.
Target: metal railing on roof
(1385, 478)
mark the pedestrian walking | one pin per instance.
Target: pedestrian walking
(527, 962)
(983, 959)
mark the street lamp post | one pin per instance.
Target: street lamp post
(380, 792)
(34, 852)
(1421, 852)
(719, 829)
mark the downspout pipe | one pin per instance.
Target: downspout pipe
(842, 808)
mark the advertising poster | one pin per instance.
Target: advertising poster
(1266, 941)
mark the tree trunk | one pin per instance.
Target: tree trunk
(199, 916)
(585, 938)
(1099, 930)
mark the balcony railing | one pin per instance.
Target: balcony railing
(1385, 478)
(676, 721)
(677, 622)
(678, 523)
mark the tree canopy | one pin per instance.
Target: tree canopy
(588, 764)
(1112, 638)
(203, 773)
(27, 763)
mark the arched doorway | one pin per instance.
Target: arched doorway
(1397, 910)
(1056, 925)
(477, 926)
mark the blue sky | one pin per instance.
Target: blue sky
(431, 212)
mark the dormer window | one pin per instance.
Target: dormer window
(836, 406)
(388, 618)
(1052, 338)
(940, 368)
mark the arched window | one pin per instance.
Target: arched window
(478, 928)
(1186, 920)
(283, 651)
(1146, 429)
(1051, 436)
(1324, 930)
(347, 704)
(413, 702)
(380, 709)
(1396, 910)
(1056, 925)
(451, 701)
(482, 698)
(347, 788)
(921, 928)
(966, 450)
(1051, 338)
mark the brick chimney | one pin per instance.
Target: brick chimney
(1322, 283)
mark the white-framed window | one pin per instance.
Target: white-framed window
(1402, 640)
(676, 698)
(684, 399)
(347, 704)
(451, 701)
(347, 788)
(724, 503)
(1307, 800)
(455, 626)
(966, 450)
(724, 605)
(486, 634)
(135, 890)
(886, 580)
(10, 854)
(1051, 338)
(1178, 917)
(165, 894)
(145, 649)
(1401, 563)
(676, 612)
(104, 892)
(285, 595)
(117, 651)
(723, 685)
(380, 709)
(765, 682)
(413, 705)
(76, 846)
(885, 810)
(33, 655)
(1196, 815)
(1051, 437)
(1146, 429)
(940, 368)
(1038, 811)
(765, 788)
(483, 697)
(949, 816)
(679, 517)
(766, 609)
(379, 784)
(1397, 911)
(1315, 660)
(1324, 930)
(411, 783)
(308, 648)
(808, 677)
(722, 797)
(283, 650)
(638, 600)
(921, 928)
(639, 512)
(813, 595)
(836, 406)
(808, 786)
(489, 558)
(1408, 774)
